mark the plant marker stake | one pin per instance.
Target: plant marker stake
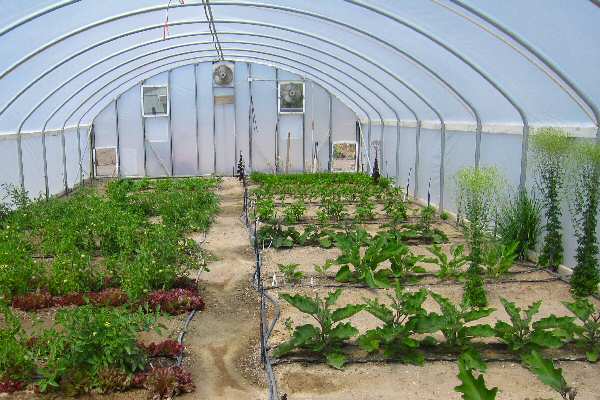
(274, 281)
(312, 281)
(407, 184)
(429, 193)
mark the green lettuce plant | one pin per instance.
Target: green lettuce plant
(550, 149)
(330, 334)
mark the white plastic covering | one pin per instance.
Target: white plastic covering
(436, 84)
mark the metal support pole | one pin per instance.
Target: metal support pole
(144, 139)
(63, 144)
(92, 142)
(330, 138)
(79, 156)
(118, 166)
(304, 134)
(235, 135)
(397, 153)
(277, 120)
(417, 151)
(20, 159)
(197, 119)
(250, 114)
(442, 165)
(214, 127)
(170, 127)
(524, 151)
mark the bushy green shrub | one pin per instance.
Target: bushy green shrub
(519, 221)
(16, 359)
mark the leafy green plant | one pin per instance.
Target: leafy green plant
(331, 209)
(290, 272)
(550, 148)
(401, 321)
(323, 269)
(395, 209)
(404, 265)
(450, 267)
(365, 265)
(472, 388)
(329, 336)
(548, 374)
(524, 334)
(365, 209)
(17, 362)
(426, 218)
(87, 340)
(585, 190)
(265, 210)
(519, 220)
(294, 212)
(478, 192)
(73, 274)
(587, 335)
(444, 216)
(453, 320)
(498, 258)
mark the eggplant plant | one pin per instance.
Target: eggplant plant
(329, 336)
(587, 335)
(548, 374)
(525, 335)
(453, 320)
(294, 212)
(401, 321)
(471, 387)
(450, 267)
(364, 266)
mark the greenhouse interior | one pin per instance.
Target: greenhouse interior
(300, 199)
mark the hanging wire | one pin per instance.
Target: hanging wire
(213, 30)
(166, 24)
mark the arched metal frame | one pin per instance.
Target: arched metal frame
(566, 82)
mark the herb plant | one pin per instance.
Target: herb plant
(550, 149)
(519, 221)
(329, 336)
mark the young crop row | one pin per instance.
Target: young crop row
(89, 242)
(406, 329)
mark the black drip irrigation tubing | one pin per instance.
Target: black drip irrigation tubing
(189, 318)
(266, 329)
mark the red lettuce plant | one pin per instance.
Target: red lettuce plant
(175, 301)
(10, 386)
(166, 383)
(32, 301)
(166, 348)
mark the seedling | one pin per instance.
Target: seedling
(326, 339)
(290, 272)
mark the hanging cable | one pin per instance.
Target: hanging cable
(213, 30)
(166, 24)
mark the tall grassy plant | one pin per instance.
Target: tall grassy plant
(550, 148)
(584, 182)
(478, 194)
(519, 221)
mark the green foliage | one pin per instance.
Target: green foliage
(331, 209)
(365, 209)
(474, 292)
(585, 190)
(453, 322)
(587, 335)
(478, 193)
(426, 218)
(395, 208)
(498, 258)
(265, 210)
(550, 148)
(290, 272)
(444, 216)
(87, 340)
(519, 221)
(546, 372)
(525, 335)
(16, 359)
(73, 273)
(401, 321)
(450, 267)
(472, 388)
(294, 212)
(326, 339)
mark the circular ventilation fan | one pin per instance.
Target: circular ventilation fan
(223, 75)
(291, 93)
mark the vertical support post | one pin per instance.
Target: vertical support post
(524, 151)
(235, 135)
(417, 151)
(304, 133)
(397, 153)
(214, 128)
(144, 139)
(478, 134)
(63, 145)
(45, 157)
(79, 156)
(358, 145)
(382, 148)
(442, 165)
(369, 139)
(118, 166)
(277, 120)
(330, 138)
(170, 128)
(197, 119)
(250, 116)
(92, 144)
(20, 159)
